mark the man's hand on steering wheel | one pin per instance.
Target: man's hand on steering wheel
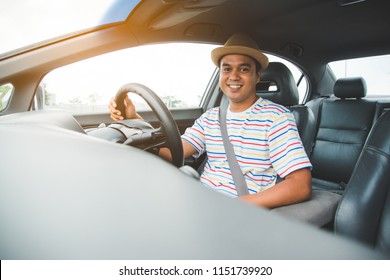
(130, 110)
(166, 135)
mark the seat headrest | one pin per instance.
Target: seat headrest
(278, 85)
(350, 88)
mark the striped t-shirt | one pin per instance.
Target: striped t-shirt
(265, 140)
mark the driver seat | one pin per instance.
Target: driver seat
(278, 85)
(364, 210)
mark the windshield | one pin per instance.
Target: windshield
(26, 22)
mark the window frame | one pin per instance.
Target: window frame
(44, 97)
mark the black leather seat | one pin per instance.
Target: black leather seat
(344, 122)
(278, 85)
(364, 210)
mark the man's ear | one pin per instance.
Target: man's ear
(258, 75)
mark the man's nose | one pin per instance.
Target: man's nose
(234, 75)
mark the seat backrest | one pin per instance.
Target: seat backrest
(364, 210)
(344, 122)
(278, 85)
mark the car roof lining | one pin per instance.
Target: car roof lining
(287, 23)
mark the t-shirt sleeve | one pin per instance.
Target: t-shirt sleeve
(287, 153)
(195, 135)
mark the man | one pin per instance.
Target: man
(264, 134)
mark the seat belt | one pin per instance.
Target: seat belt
(238, 176)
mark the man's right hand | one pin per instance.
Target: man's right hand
(130, 111)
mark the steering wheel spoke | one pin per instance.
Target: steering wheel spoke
(147, 139)
(167, 135)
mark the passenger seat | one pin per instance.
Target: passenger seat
(344, 122)
(364, 210)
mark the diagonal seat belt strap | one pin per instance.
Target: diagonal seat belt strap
(238, 177)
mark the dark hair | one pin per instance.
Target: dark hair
(258, 66)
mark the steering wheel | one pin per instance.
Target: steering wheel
(167, 135)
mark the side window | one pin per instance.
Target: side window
(178, 73)
(6, 91)
(375, 70)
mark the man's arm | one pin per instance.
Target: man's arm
(188, 151)
(296, 187)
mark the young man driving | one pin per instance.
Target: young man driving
(264, 134)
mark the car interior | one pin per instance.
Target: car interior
(81, 186)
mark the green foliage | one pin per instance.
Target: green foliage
(4, 89)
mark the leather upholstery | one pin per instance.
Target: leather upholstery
(343, 128)
(278, 85)
(364, 210)
(352, 87)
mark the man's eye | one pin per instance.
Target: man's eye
(244, 69)
(225, 69)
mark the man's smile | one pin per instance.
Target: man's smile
(234, 86)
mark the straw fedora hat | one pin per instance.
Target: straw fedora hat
(240, 44)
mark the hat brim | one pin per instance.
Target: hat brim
(218, 53)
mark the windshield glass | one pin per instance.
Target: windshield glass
(26, 22)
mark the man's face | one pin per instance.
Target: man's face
(238, 78)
